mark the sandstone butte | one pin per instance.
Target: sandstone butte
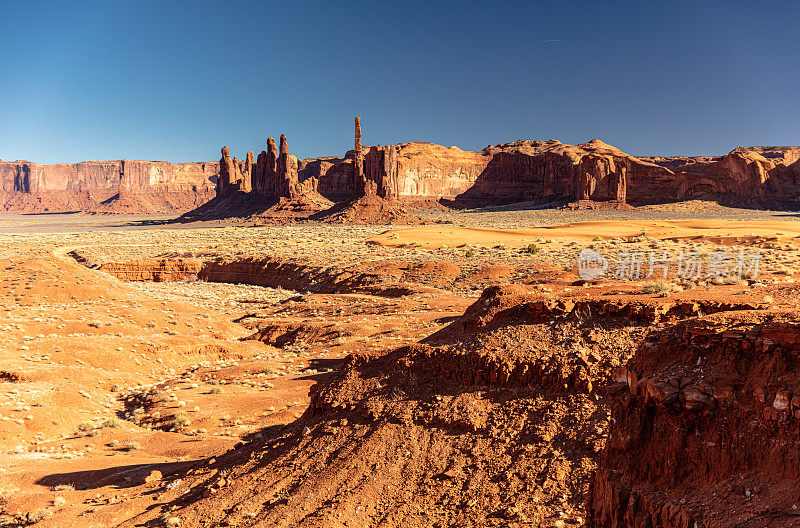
(522, 171)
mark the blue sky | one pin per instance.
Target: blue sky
(175, 81)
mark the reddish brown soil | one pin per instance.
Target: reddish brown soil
(371, 210)
(705, 430)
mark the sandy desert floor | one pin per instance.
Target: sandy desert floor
(146, 369)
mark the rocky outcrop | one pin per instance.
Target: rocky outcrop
(247, 173)
(227, 174)
(704, 427)
(287, 171)
(549, 170)
(165, 270)
(525, 170)
(751, 176)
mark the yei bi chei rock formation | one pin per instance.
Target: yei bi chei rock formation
(525, 170)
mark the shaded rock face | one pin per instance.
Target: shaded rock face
(333, 176)
(753, 176)
(287, 171)
(704, 427)
(547, 170)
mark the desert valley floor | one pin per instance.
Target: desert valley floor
(459, 373)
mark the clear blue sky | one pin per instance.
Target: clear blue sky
(175, 81)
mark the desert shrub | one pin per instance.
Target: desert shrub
(37, 516)
(637, 238)
(531, 249)
(181, 420)
(656, 287)
(85, 427)
(113, 423)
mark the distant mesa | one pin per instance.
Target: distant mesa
(106, 187)
(376, 184)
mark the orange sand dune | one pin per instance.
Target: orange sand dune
(718, 231)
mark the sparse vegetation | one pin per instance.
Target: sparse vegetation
(641, 237)
(531, 249)
(656, 287)
(37, 516)
(180, 421)
(132, 446)
(113, 423)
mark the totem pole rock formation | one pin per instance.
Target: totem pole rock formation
(359, 180)
(247, 173)
(227, 171)
(272, 156)
(287, 171)
(258, 172)
(265, 172)
(237, 179)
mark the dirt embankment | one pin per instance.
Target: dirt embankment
(705, 427)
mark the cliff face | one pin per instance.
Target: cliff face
(704, 425)
(546, 170)
(756, 176)
(128, 175)
(511, 172)
(65, 187)
(23, 176)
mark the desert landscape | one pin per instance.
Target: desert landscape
(409, 265)
(455, 371)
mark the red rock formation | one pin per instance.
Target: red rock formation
(546, 170)
(265, 171)
(247, 173)
(704, 428)
(69, 187)
(539, 171)
(287, 171)
(227, 174)
(753, 176)
(237, 179)
(272, 157)
(359, 181)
